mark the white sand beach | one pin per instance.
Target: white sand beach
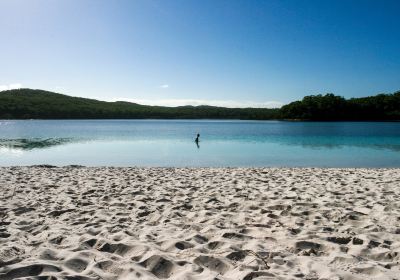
(200, 223)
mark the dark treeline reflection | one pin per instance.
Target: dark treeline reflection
(38, 143)
(35, 143)
(317, 146)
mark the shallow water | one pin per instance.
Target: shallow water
(223, 143)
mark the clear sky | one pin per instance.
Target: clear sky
(216, 52)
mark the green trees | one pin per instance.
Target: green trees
(379, 107)
(330, 107)
(39, 104)
(316, 107)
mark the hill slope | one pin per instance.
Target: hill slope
(39, 104)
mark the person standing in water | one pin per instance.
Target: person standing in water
(197, 140)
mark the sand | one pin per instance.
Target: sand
(227, 223)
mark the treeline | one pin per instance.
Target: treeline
(329, 107)
(39, 104)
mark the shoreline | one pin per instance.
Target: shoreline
(199, 223)
(78, 166)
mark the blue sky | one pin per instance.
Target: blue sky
(230, 53)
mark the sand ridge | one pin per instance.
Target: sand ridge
(199, 223)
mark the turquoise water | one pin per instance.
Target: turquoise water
(223, 143)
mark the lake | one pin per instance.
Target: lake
(222, 143)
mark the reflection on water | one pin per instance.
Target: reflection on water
(34, 143)
(224, 143)
(321, 144)
(315, 143)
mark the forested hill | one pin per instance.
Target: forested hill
(329, 107)
(39, 104)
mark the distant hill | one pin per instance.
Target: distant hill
(40, 104)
